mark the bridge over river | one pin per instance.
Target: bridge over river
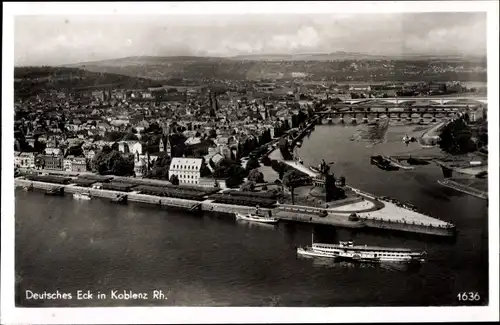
(435, 99)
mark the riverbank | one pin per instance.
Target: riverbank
(430, 137)
(457, 185)
(337, 216)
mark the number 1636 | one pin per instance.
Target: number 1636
(468, 296)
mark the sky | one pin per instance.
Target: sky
(57, 40)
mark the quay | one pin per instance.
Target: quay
(464, 188)
(372, 213)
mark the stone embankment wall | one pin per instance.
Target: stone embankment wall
(298, 214)
(131, 196)
(408, 227)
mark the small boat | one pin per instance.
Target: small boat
(417, 161)
(119, 199)
(346, 250)
(55, 191)
(82, 196)
(256, 218)
(482, 174)
(28, 188)
(382, 163)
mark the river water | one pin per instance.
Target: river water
(211, 260)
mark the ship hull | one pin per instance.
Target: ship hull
(251, 218)
(81, 197)
(307, 252)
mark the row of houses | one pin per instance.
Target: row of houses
(50, 162)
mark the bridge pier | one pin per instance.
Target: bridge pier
(365, 119)
(354, 121)
(341, 120)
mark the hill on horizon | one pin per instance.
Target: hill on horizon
(29, 81)
(341, 66)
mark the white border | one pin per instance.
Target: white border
(10, 314)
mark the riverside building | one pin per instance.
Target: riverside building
(186, 169)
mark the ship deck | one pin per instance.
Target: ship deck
(368, 248)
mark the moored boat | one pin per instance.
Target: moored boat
(256, 218)
(417, 161)
(119, 199)
(55, 191)
(371, 254)
(81, 196)
(382, 163)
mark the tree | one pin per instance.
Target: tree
(248, 186)
(234, 181)
(114, 136)
(130, 137)
(212, 133)
(174, 179)
(232, 171)
(39, 146)
(113, 162)
(252, 164)
(256, 176)
(76, 151)
(266, 160)
(456, 138)
(204, 170)
(291, 180)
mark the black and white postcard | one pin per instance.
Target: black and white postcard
(207, 157)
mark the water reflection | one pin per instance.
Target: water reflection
(331, 263)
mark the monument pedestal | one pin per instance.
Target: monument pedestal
(325, 189)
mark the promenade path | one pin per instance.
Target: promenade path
(300, 167)
(430, 134)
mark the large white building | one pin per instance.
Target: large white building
(186, 169)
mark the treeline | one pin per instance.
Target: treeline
(340, 70)
(109, 161)
(30, 81)
(458, 137)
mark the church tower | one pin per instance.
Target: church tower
(165, 140)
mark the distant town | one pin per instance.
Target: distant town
(136, 132)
